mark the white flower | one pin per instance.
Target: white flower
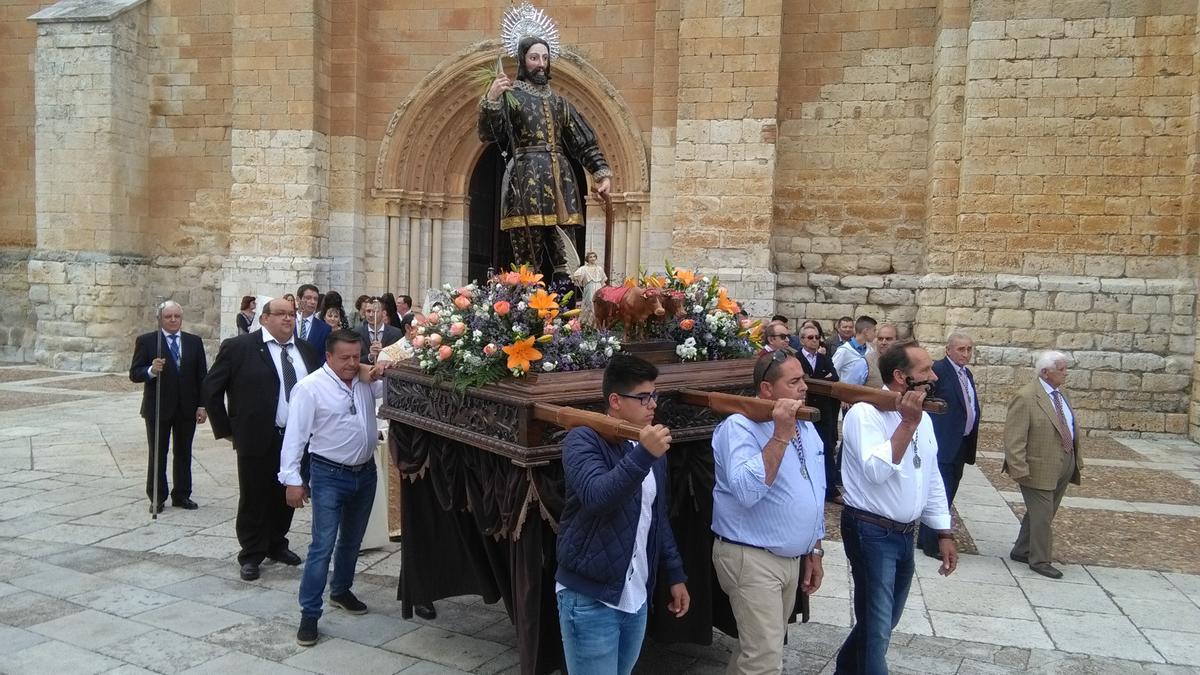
(608, 351)
(478, 334)
(521, 306)
(697, 309)
(690, 342)
(549, 366)
(720, 343)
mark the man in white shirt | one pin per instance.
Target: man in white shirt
(333, 413)
(891, 483)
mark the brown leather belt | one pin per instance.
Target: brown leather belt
(535, 148)
(880, 521)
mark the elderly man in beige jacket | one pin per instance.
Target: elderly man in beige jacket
(1041, 453)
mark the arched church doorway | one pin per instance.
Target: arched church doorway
(487, 248)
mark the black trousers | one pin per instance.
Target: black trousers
(537, 245)
(951, 476)
(263, 516)
(176, 434)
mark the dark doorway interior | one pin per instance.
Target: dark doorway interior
(486, 247)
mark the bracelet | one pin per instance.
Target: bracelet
(946, 535)
(781, 440)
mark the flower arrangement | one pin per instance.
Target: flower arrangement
(710, 326)
(510, 326)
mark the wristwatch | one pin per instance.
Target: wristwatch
(818, 551)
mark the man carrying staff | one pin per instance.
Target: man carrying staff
(768, 513)
(540, 130)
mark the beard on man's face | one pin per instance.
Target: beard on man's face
(539, 76)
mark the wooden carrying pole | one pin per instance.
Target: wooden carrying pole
(610, 428)
(883, 399)
(755, 409)
(608, 236)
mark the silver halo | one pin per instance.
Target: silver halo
(525, 21)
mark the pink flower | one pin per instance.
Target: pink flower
(458, 328)
(432, 318)
(549, 329)
(575, 325)
(445, 352)
(435, 340)
(464, 291)
(462, 302)
(687, 324)
(418, 342)
(489, 349)
(502, 307)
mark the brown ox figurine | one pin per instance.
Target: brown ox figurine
(631, 306)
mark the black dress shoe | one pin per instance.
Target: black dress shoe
(186, 504)
(426, 612)
(1019, 558)
(249, 571)
(307, 634)
(157, 510)
(1046, 570)
(286, 556)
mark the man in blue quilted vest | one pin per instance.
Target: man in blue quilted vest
(614, 535)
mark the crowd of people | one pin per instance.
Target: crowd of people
(295, 391)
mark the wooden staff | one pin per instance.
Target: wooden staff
(755, 409)
(608, 235)
(888, 401)
(610, 429)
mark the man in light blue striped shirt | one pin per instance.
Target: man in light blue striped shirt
(768, 513)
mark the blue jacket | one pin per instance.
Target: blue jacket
(599, 521)
(317, 332)
(953, 446)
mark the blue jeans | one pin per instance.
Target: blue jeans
(597, 639)
(881, 564)
(341, 505)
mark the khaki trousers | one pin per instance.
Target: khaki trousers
(1036, 538)
(762, 591)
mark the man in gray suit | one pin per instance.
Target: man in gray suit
(1041, 453)
(375, 332)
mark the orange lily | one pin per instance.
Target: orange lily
(630, 282)
(755, 332)
(527, 277)
(544, 303)
(685, 277)
(520, 353)
(725, 304)
(654, 281)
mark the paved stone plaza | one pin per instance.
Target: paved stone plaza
(88, 584)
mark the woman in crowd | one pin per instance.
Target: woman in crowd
(389, 306)
(333, 300)
(333, 317)
(356, 319)
(245, 316)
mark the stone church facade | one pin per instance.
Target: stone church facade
(1025, 170)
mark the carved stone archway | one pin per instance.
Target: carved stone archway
(430, 148)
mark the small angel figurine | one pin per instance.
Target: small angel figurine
(590, 277)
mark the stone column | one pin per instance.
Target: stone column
(279, 201)
(725, 146)
(87, 272)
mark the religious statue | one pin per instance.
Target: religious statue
(590, 277)
(537, 130)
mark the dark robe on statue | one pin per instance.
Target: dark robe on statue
(539, 189)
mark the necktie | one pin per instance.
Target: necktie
(289, 371)
(1065, 436)
(798, 446)
(968, 400)
(174, 344)
(303, 329)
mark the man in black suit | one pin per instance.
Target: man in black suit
(404, 308)
(256, 372)
(375, 332)
(957, 429)
(820, 367)
(174, 361)
(843, 331)
(309, 326)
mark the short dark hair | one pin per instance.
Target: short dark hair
(247, 300)
(780, 318)
(304, 288)
(624, 372)
(361, 299)
(763, 366)
(331, 308)
(846, 318)
(864, 322)
(406, 299)
(896, 358)
(341, 335)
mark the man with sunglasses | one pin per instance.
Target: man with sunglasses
(819, 366)
(768, 514)
(614, 534)
(778, 337)
(332, 416)
(891, 482)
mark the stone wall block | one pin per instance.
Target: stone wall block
(891, 296)
(1016, 282)
(1086, 360)
(1054, 320)
(1070, 284)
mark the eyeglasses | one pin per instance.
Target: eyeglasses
(778, 356)
(645, 397)
(810, 337)
(778, 335)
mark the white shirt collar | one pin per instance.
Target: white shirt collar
(166, 333)
(268, 338)
(1046, 385)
